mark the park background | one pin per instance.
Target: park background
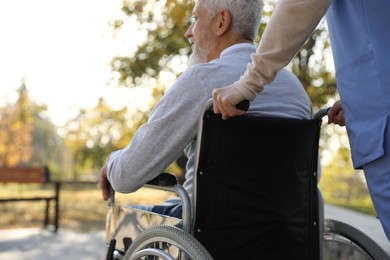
(77, 78)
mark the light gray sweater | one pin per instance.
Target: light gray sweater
(172, 125)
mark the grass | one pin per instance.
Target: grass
(82, 208)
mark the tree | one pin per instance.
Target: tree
(27, 137)
(96, 132)
(163, 24)
(16, 128)
(310, 65)
(342, 185)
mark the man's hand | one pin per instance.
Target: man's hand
(336, 114)
(225, 101)
(104, 183)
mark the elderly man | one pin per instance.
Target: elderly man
(221, 36)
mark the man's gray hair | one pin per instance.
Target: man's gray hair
(246, 15)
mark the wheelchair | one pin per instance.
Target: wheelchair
(255, 197)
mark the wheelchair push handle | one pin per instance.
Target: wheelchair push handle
(321, 113)
(243, 105)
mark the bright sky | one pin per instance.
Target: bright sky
(62, 48)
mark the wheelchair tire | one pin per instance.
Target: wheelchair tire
(342, 241)
(154, 241)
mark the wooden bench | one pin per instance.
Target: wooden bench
(33, 175)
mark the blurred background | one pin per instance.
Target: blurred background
(77, 78)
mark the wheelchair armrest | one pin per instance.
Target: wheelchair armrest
(164, 179)
(168, 182)
(161, 181)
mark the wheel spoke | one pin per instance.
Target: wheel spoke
(170, 240)
(343, 241)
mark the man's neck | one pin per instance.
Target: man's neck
(235, 46)
(224, 42)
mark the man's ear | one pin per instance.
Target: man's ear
(224, 22)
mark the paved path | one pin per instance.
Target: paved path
(365, 223)
(38, 244)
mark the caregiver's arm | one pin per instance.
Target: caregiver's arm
(292, 22)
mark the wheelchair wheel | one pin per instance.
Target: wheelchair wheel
(166, 242)
(342, 241)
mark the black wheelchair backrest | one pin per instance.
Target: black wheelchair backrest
(256, 188)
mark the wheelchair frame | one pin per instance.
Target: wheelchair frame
(156, 240)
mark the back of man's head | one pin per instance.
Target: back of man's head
(246, 15)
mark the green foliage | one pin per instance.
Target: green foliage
(164, 27)
(310, 66)
(342, 185)
(93, 134)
